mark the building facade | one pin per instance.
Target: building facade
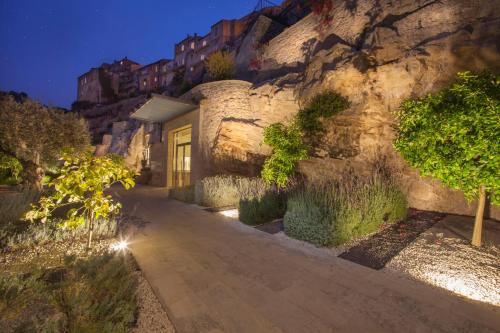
(155, 76)
(191, 52)
(107, 82)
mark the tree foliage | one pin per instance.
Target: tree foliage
(294, 142)
(454, 135)
(220, 66)
(36, 134)
(81, 184)
(10, 168)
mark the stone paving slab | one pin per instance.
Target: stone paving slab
(215, 275)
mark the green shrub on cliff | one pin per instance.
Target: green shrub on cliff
(295, 142)
(220, 66)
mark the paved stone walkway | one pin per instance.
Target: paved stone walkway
(214, 275)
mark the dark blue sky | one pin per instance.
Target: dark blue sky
(46, 44)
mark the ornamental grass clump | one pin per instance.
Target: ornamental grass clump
(226, 191)
(333, 213)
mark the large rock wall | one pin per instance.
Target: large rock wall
(233, 115)
(100, 118)
(128, 139)
(377, 53)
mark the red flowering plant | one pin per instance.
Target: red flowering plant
(323, 9)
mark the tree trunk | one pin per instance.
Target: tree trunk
(91, 228)
(32, 175)
(478, 222)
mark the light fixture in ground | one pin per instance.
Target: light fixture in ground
(121, 245)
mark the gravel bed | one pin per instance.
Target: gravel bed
(441, 258)
(152, 318)
(377, 249)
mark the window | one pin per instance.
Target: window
(156, 68)
(164, 68)
(202, 57)
(182, 48)
(204, 43)
(156, 79)
(144, 83)
(191, 69)
(192, 45)
(85, 80)
(121, 62)
(183, 61)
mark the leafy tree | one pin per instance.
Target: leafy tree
(454, 136)
(80, 186)
(35, 135)
(288, 149)
(220, 66)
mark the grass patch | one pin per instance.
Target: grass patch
(96, 294)
(333, 213)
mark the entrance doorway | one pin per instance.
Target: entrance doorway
(182, 158)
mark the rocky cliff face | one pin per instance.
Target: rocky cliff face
(116, 133)
(378, 53)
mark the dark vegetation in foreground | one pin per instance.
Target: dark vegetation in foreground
(96, 294)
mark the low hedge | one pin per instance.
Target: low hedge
(258, 210)
(226, 191)
(334, 213)
(185, 194)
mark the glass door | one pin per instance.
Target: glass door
(182, 158)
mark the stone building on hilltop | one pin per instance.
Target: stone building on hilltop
(156, 76)
(107, 82)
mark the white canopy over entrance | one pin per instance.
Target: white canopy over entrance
(160, 108)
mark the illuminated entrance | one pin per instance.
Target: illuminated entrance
(182, 157)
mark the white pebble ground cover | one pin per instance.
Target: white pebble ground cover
(452, 263)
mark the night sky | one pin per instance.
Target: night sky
(46, 44)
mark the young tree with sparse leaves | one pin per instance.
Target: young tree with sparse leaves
(454, 136)
(80, 185)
